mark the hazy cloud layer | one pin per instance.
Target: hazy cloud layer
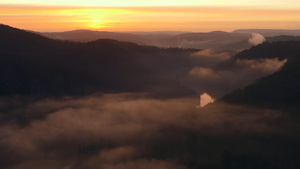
(120, 131)
(209, 57)
(218, 82)
(256, 39)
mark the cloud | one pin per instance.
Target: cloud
(75, 125)
(241, 72)
(256, 39)
(211, 53)
(202, 72)
(120, 131)
(266, 66)
(209, 57)
(126, 130)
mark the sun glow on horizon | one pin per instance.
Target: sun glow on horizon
(96, 24)
(195, 19)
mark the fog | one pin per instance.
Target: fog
(217, 81)
(116, 105)
(121, 131)
(256, 39)
(209, 57)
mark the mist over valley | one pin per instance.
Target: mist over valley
(159, 100)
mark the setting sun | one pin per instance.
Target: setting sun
(96, 24)
(115, 84)
(150, 15)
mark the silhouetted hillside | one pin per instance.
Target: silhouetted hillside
(270, 32)
(280, 50)
(283, 38)
(88, 36)
(279, 90)
(214, 40)
(276, 50)
(35, 65)
(133, 130)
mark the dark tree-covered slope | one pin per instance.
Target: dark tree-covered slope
(280, 50)
(38, 66)
(283, 38)
(279, 90)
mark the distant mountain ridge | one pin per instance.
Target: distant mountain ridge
(270, 32)
(236, 40)
(214, 40)
(31, 64)
(113, 104)
(283, 38)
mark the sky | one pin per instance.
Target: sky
(154, 15)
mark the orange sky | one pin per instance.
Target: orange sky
(197, 18)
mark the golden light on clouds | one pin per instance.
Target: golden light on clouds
(42, 18)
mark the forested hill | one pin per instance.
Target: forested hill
(31, 64)
(279, 90)
(280, 50)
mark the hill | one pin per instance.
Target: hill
(236, 40)
(279, 90)
(280, 50)
(270, 32)
(283, 38)
(69, 126)
(214, 40)
(34, 65)
(269, 50)
(88, 36)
